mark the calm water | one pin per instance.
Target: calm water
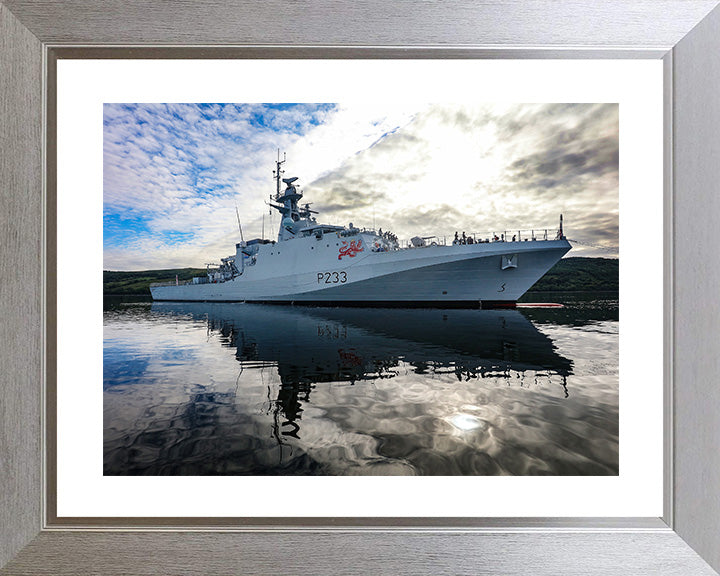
(238, 389)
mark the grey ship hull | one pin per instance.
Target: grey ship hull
(310, 272)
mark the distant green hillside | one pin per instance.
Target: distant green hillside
(580, 275)
(568, 275)
(126, 283)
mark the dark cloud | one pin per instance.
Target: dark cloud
(429, 220)
(595, 227)
(564, 162)
(565, 121)
(570, 149)
(456, 116)
(338, 191)
(364, 179)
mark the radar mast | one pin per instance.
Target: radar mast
(277, 173)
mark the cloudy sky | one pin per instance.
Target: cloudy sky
(174, 173)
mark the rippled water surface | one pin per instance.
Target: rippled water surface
(245, 389)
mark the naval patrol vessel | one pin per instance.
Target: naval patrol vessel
(323, 264)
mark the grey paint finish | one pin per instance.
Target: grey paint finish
(697, 288)
(358, 553)
(627, 552)
(376, 22)
(20, 328)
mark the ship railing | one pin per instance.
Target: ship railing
(529, 235)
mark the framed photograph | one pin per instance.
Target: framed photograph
(588, 432)
(371, 361)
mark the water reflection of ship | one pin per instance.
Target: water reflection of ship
(316, 345)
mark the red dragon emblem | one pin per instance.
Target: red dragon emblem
(352, 249)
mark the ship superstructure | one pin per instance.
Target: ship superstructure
(315, 263)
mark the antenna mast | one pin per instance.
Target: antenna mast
(277, 173)
(239, 226)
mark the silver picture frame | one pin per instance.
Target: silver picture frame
(684, 34)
